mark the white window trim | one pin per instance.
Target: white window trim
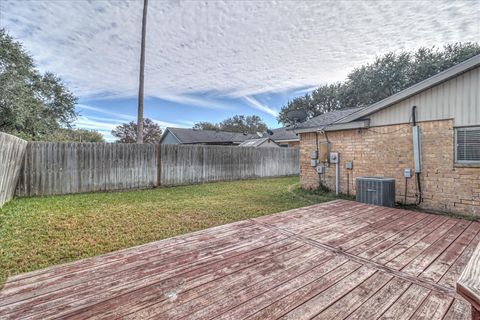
(455, 146)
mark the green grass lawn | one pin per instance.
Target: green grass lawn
(43, 231)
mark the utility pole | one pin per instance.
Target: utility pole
(142, 76)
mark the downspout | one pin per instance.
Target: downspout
(417, 154)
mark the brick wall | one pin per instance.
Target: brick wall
(290, 144)
(387, 151)
(293, 144)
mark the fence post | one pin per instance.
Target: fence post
(158, 151)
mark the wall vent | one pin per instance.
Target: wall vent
(374, 190)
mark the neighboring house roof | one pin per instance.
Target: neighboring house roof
(282, 134)
(192, 136)
(352, 118)
(255, 142)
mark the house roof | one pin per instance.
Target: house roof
(255, 142)
(345, 116)
(327, 119)
(191, 136)
(282, 134)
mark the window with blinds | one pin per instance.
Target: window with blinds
(467, 143)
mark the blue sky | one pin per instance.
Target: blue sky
(104, 114)
(208, 60)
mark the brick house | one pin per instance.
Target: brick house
(285, 138)
(378, 141)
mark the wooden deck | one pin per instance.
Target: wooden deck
(337, 260)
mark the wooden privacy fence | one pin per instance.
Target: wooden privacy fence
(12, 150)
(187, 164)
(62, 168)
(70, 167)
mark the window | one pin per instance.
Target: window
(467, 145)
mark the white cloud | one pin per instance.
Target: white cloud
(193, 101)
(239, 48)
(103, 127)
(257, 105)
(116, 115)
(306, 90)
(164, 124)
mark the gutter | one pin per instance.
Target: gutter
(286, 140)
(361, 124)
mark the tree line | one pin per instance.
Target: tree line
(385, 76)
(127, 132)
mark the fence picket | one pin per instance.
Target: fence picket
(67, 167)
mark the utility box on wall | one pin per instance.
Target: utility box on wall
(324, 150)
(417, 149)
(320, 169)
(349, 165)
(333, 157)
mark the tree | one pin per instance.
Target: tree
(373, 82)
(237, 123)
(127, 132)
(385, 76)
(204, 125)
(75, 135)
(323, 99)
(243, 124)
(298, 103)
(141, 79)
(32, 104)
(430, 61)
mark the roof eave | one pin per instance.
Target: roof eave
(286, 140)
(361, 124)
(164, 134)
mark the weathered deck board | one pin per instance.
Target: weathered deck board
(190, 301)
(106, 265)
(407, 304)
(337, 260)
(381, 300)
(441, 265)
(468, 285)
(451, 276)
(355, 298)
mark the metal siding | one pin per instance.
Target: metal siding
(458, 99)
